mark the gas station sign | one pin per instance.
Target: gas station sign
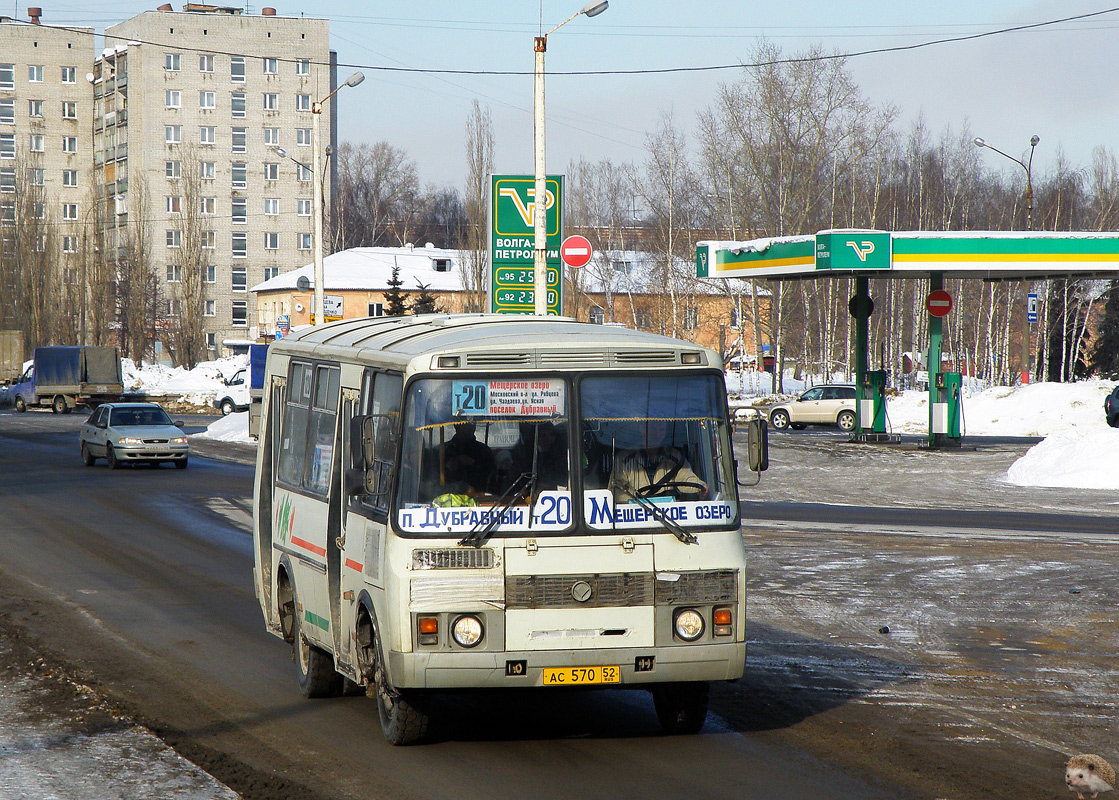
(513, 211)
(853, 250)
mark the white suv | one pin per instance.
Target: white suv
(820, 405)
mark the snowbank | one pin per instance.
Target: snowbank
(1072, 459)
(234, 428)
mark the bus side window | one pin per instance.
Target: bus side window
(381, 396)
(293, 430)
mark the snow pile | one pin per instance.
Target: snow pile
(198, 386)
(234, 428)
(1072, 459)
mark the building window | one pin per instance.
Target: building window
(240, 174)
(210, 308)
(206, 170)
(172, 134)
(691, 318)
(271, 206)
(35, 73)
(240, 140)
(69, 177)
(69, 109)
(271, 272)
(240, 315)
(271, 136)
(210, 274)
(34, 108)
(271, 172)
(37, 143)
(174, 204)
(441, 264)
(7, 112)
(304, 241)
(7, 145)
(240, 244)
(172, 62)
(7, 76)
(207, 101)
(7, 180)
(303, 66)
(303, 207)
(173, 169)
(174, 307)
(237, 69)
(598, 316)
(7, 212)
(208, 206)
(376, 310)
(735, 323)
(173, 98)
(240, 210)
(205, 63)
(70, 211)
(237, 105)
(303, 102)
(207, 134)
(174, 273)
(211, 341)
(271, 66)
(174, 238)
(36, 177)
(271, 241)
(69, 144)
(209, 240)
(303, 137)
(39, 211)
(240, 279)
(271, 102)
(303, 172)
(69, 244)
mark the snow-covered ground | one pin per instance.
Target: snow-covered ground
(1078, 451)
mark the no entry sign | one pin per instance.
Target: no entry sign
(939, 303)
(575, 251)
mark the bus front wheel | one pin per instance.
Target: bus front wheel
(681, 707)
(403, 715)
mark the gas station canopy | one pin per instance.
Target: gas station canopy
(990, 255)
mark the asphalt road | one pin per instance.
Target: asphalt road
(890, 652)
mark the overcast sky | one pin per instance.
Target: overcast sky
(1055, 81)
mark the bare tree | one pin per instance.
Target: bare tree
(184, 333)
(479, 167)
(378, 187)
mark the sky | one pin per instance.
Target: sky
(1052, 81)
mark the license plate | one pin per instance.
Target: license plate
(581, 676)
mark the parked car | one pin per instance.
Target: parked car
(235, 397)
(124, 433)
(1111, 408)
(820, 405)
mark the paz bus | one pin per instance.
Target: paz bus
(450, 502)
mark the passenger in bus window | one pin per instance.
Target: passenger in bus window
(657, 469)
(466, 461)
(550, 459)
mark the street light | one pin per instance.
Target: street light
(540, 191)
(1028, 167)
(317, 201)
(980, 142)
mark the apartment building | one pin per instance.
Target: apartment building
(45, 150)
(189, 111)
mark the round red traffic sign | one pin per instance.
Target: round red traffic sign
(939, 303)
(575, 251)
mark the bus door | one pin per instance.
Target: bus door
(365, 515)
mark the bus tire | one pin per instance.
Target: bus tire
(314, 667)
(681, 707)
(403, 715)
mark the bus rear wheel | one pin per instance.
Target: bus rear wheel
(681, 707)
(314, 667)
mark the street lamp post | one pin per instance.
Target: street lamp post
(1028, 167)
(540, 191)
(317, 194)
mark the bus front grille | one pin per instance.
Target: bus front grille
(698, 588)
(453, 558)
(559, 591)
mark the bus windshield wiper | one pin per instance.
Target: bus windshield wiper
(483, 531)
(674, 528)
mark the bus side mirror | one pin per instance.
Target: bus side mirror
(757, 446)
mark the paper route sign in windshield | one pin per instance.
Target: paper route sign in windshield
(508, 398)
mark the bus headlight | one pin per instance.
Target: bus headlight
(688, 624)
(467, 631)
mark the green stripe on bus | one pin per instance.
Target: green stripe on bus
(316, 620)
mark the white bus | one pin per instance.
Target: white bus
(447, 502)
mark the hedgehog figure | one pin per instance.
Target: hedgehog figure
(1089, 775)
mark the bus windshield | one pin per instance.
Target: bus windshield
(476, 449)
(654, 449)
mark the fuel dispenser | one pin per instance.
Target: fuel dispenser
(872, 409)
(946, 408)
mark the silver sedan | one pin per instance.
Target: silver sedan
(130, 432)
